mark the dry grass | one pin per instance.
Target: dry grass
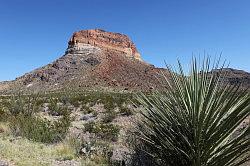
(26, 153)
(23, 152)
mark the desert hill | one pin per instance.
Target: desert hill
(93, 59)
(234, 76)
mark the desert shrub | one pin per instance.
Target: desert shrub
(109, 116)
(64, 99)
(1, 129)
(95, 113)
(21, 104)
(109, 103)
(38, 129)
(104, 131)
(192, 122)
(92, 151)
(16, 105)
(57, 110)
(76, 144)
(24, 122)
(110, 100)
(126, 111)
(40, 101)
(96, 153)
(89, 126)
(113, 100)
(75, 102)
(71, 147)
(3, 114)
(86, 109)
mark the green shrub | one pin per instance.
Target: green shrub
(86, 109)
(3, 115)
(89, 127)
(109, 116)
(21, 104)
(64, 99)
(23, 121)
(104, 131)
(57, 110)
(192, 122)
(126, 111)
(37, 129)
(109, 104)
(75, 103)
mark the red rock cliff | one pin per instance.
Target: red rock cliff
(105, 40)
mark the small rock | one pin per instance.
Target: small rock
(88, 117)
(3, 163)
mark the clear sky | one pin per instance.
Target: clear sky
(35, 32)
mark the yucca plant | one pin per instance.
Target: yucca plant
(193, 121)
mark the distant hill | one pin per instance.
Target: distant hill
(234, 76)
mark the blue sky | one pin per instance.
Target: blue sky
(35, 32)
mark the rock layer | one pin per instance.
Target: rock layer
(104, 40)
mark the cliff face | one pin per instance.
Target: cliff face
(104, 40)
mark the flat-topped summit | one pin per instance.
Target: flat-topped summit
(104, 40)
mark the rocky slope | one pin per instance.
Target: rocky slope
(234, 76)
(93, 59)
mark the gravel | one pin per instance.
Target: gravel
(3, 163)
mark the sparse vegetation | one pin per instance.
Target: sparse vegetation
(3, 115)
(23, 121)
(21, 104)
(109, 116)
(86, 109)
(126, 111)
(57, 110)
(44, 120)
(104, 131)
(38, 129)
